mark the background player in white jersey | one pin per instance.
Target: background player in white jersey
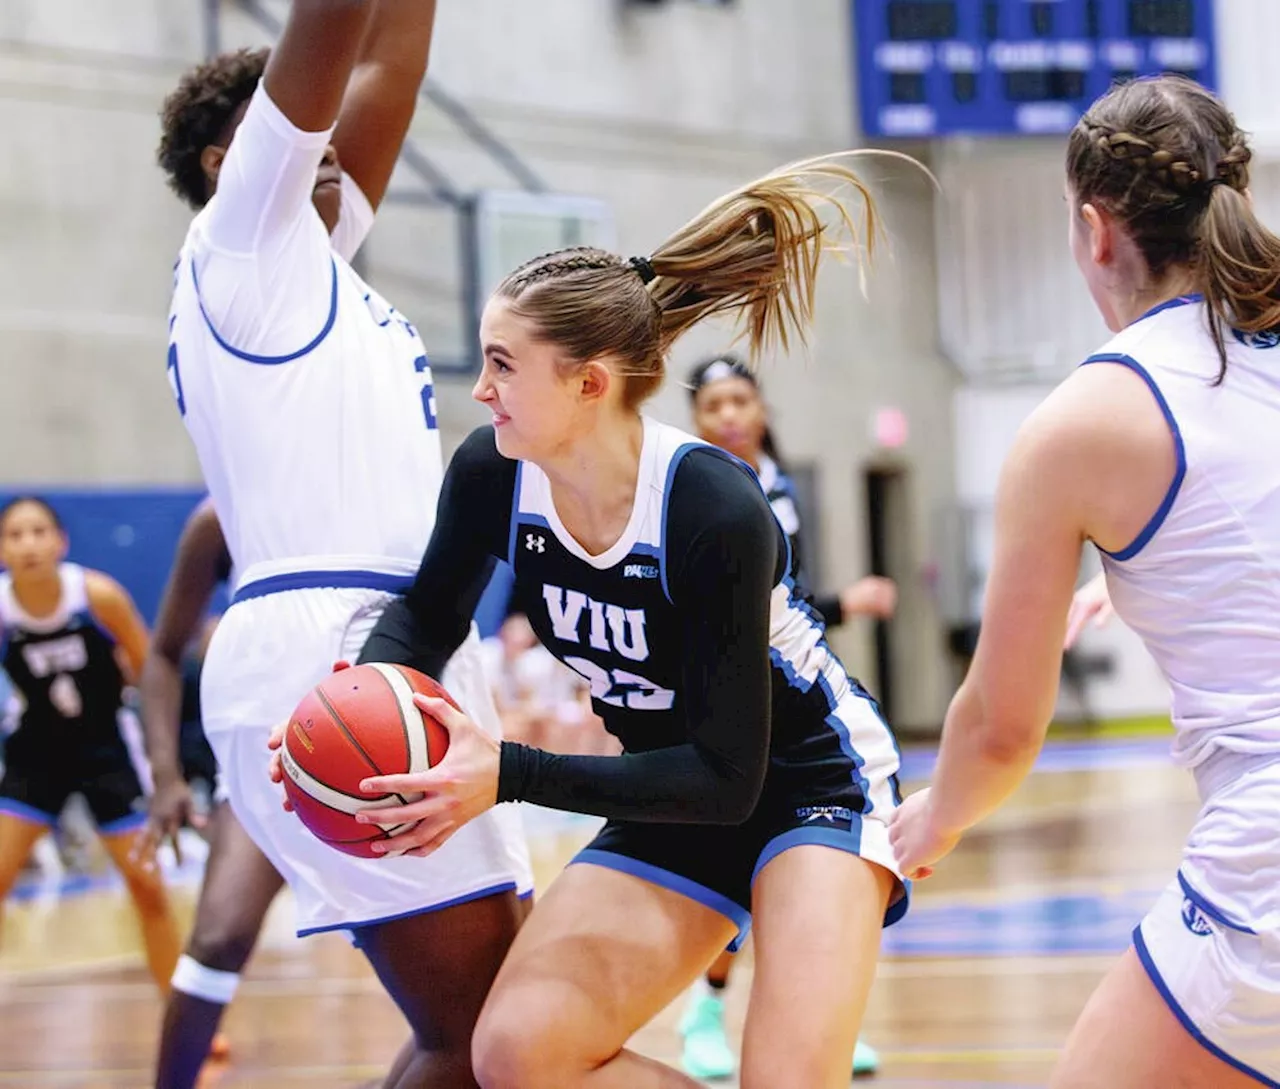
(309, 401)
(757, 776)
(69, 639)
(729, 410)
(1163, 452)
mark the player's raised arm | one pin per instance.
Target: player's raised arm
(383, 92)
(311, 64)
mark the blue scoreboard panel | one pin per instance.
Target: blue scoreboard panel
(938, 67)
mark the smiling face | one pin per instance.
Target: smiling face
(730, 413)
(541, 401)
(31, 543)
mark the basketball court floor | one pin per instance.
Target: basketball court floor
(977, 987)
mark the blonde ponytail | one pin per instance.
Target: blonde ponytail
(754, 252)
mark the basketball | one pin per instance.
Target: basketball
(355, 723)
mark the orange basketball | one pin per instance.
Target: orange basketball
(355, 723)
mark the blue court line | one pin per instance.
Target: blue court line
(1081, 924)
(1063, 756)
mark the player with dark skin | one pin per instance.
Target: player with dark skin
(359, 62)
(239, 881)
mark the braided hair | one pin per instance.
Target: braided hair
(1167, 160)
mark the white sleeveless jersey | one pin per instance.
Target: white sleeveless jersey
(307, 396)
(1201, 583)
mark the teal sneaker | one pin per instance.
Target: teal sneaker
(865, 1060)
(706, 1051)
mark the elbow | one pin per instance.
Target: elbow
(1010, 742)
(738, 798)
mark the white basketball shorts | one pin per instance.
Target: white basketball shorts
(265, 655)
(1211, 945)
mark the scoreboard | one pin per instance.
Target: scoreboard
(939, 67)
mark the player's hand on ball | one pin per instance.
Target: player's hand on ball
(458, 789)
(917, 841)
(274, 767)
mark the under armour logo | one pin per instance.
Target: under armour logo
(535, 543)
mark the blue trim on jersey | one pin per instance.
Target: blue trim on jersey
(652, 551)
(1162, 512)
(1153, 973)
(850, 841)
(466, 898)
(672, 466)
(123, 824)
(515, 516)
(271, 360)
(1215, 913)
(323, 580)
(678, 883)
(1170, 304)
(28, 812)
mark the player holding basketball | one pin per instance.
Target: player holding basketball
(309, 401)
(1163, 452)
(758, 777)
(65, 633)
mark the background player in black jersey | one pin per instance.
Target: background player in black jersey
(729, 410)
(71, 638)
(757, 777)
(239, 882)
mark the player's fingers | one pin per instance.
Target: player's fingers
(442, 711)
(424, 809)
(1077, 618)
(275, 768)
(417, 782)
(419, 841)
(277, 735)
(172, 836)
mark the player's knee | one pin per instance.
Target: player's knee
(221, 945)
(510, 1051)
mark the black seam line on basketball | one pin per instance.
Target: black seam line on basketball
(332, 809)
(404, 726)
(337, 718)
(382, 833)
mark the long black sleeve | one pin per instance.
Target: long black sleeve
(724, 545)
(429, 623)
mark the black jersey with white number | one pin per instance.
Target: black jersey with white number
(64, 667)
(702, 657)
